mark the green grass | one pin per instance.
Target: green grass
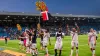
(83, 46)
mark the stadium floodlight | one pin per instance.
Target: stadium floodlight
(30, 18)
(26, 16)
(9, 20)
(68, 18)
(55, 21)
(78, 18)
(84, 19)
(23, 18)
(74, 19)
(8, 16)
(14, 18)
(5, 18)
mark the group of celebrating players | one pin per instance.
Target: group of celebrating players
(29, 37)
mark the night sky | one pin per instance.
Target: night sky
(76, 7)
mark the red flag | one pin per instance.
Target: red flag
(45, 15)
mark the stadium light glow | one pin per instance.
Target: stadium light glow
(84, 19)
(23, 18)
(55, 21)
(26, 16)
(68, 18)
(14, 18)
(5, 18)
(9, 20)
(78, 18)
(30, 18)
(74, 19)
(8, 16)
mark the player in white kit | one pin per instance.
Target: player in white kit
(96, 34)
(27, 41)
(41, 34)
(45, 41)
(26, 36)
(58, 44)
(92, 41)
(74, 42)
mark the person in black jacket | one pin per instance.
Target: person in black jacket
(33, 46)
(6, 40)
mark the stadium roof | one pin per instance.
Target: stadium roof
(60, 15)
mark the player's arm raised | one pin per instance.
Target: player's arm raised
(56, 36)
(95, 40)
(88, 39)
(78, 29)
(68, 31)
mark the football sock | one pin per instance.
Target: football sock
(60, 53)
(71, 52)
(46, 50)
(93, 52)
(55, 52)
(76, 51)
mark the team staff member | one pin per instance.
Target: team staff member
(34, 46)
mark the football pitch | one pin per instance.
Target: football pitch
(83, 46)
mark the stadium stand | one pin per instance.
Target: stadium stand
(8, 21)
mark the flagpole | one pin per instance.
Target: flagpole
(39, 18)
(39, 21)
